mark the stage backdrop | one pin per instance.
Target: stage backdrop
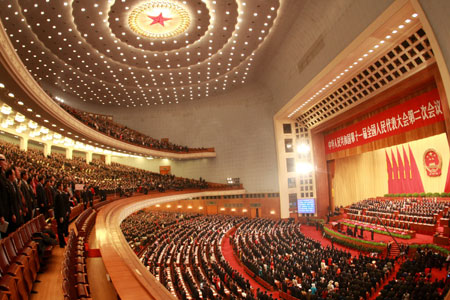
(366, 175)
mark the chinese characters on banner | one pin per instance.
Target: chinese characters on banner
(420, 111)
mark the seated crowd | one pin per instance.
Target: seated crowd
(28, 182)
(122, 132)
(280, 254)
(400, 212)
(183, 252)
(414, 279)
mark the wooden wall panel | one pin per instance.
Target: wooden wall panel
(321, 174)
(365, 175)
(269, 207)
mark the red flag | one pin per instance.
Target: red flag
(396, 187)
(390, 175)
(401, 173)
(408, 177)
(416, 179)
(447, 181)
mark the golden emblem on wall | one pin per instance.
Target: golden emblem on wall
(432, 162)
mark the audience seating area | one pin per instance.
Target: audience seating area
(123, 133)
(300, 267)
(75, 279)
(183, 252)
(414, 279)
(418, 215)
(21, 255)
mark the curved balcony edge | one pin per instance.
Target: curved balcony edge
(130, 277)
(19, 73)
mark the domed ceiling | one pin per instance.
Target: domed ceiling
(132, 53)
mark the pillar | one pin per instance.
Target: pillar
(283, 174)
(108, 159)
(69, 153)
(88, 157)
(23, 143)
(47, 149)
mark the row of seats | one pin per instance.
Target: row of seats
(21, 255)
(75, 280)
(82, 218)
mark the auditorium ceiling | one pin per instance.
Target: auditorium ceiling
(132, 53)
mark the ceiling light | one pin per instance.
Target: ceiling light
(19, 117)
(6, 109)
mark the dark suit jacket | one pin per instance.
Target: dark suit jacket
(41, 197)
(59, 208)
(14, 201)
(28, 195)
(5, 209)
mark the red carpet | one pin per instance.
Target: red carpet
(311, 232)
(227, 252)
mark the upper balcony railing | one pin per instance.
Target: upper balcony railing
(19, 86)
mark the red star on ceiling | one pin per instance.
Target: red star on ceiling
(159, 19)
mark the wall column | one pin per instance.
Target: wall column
(108, 159)
(69, 153)
(283, 174)
(47, 149)
(23, 143)
(88, 157)
(321, 174)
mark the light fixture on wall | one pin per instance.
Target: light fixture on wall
(304, 167)
(303, 148)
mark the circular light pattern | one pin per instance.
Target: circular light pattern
(86, 50)
(159, 19)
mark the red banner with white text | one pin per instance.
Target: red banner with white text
(420, 111)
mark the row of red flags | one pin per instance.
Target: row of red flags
(403, 174)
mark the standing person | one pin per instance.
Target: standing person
(41, 197)
(59, 210)
(49, 192)
(5, 209)
(27, 194)
(90, 193)
(85, 196)
(66, 196)
(372, 233)
(14, 201)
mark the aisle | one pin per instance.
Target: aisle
(227, 252)
(311, 232)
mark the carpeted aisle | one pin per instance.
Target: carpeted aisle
(227, 252)
(311, 232)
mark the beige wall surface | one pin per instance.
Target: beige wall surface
(363, 176)
(238, 125)
(320, 33)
